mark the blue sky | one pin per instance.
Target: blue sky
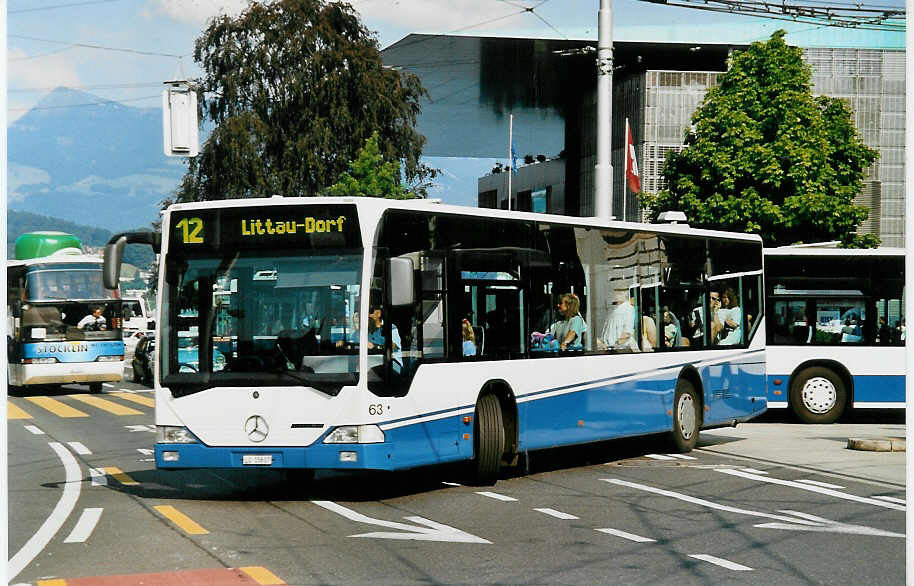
(124, 49)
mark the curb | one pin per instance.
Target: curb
(876, 444)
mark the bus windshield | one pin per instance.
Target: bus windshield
(66, 281)
(262, 317)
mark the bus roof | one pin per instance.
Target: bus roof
(375, 206)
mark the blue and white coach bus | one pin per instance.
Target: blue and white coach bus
(51, 286)
(836, 330)
(343, 320)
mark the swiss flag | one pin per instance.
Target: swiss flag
(631, 163)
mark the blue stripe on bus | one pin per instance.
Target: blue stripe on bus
(635, 407)
(867, 388)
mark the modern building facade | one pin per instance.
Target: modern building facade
(656, 86)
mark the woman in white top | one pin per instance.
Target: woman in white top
(731, 316)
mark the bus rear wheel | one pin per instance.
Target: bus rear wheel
(817, 395)
(488, 441)
(686, 417)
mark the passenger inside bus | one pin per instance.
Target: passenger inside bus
(376, 338)
(569, 330)
(619, 330)
(469, 338)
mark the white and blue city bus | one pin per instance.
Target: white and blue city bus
(340, 322)
(51, 286)
(836, 330)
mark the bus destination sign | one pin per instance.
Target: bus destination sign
(309, 227)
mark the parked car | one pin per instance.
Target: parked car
(144, 360)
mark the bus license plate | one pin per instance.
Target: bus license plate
(257, 459)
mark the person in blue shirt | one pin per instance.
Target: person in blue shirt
(569, 330)
(469, 338)
(376, 337)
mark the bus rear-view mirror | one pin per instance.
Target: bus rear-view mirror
(402, 290)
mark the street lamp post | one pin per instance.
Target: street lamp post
(603, 170)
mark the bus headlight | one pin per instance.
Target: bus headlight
(355, 434)
(173, 434)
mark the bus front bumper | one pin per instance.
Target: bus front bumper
(319, 456)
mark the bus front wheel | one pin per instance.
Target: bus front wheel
(817, 395)
(488, 440)
(686, 417)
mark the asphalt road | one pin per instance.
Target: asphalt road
(86, 506)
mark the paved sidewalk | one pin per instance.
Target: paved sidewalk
(818, 447)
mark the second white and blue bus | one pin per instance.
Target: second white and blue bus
(836, 331)
(339, 321)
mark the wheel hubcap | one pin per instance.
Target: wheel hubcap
(819, 395)
(686, 411)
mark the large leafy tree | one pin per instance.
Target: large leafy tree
(295, 87)
(766, 156)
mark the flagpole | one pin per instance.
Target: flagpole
(510, 159)
(625, 173)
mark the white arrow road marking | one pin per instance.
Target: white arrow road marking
(800, 522)
(84, 527)
(52, 524)
(431, 532)
(828, 525)
(819, 489)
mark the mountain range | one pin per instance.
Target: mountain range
(97, 163)
(78, 157)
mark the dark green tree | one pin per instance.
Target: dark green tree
(766, 156)
(294, 88)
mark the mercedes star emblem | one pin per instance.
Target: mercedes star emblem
(257, 428)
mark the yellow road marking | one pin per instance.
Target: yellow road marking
(136, 398)
(56, 407)
(181, 520)
(120, 476)
(55, 582)
(261, 575)
(106, 405)
(16, 412)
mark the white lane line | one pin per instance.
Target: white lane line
(84, 527)
(720, 562)
(658, 457)
(682, 457)
(109, 385)
(79, 448)
(626, 535)
(754, 471)
(34, 430)
(819, 489)
(818, 483)
(556, 514)
(52, 524)
(496, 496)
(451, 484)
(99, 478)
(891, 499)
(146, 451)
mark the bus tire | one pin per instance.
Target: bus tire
(95, 387)
(686, 417)
(488, 441)
(817, 395)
